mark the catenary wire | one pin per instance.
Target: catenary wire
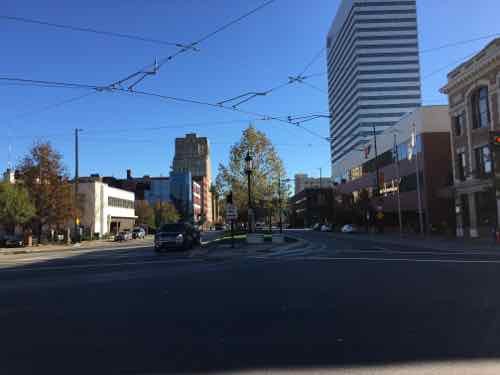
(91, 30)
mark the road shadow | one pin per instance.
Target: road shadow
(248, 315)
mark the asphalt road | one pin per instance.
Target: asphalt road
(332, 305)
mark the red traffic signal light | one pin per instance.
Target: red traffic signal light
(495, 138)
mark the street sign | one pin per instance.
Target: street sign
(231, 212)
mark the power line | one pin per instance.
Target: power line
(53, 84)
(313, 87)
(198, 102)
(314, 59)
(54, 105)
(459, 43)
(448, 65)
(91, 30)
(154, 68)
(160, 96)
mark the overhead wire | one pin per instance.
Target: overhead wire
(91, 30)
(187, 47)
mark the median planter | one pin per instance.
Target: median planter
(255, 238)
(278, 238)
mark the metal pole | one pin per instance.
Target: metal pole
(419, 196)
(493, 155)
(279, 203)
(77, 165)
(249, 203)
(377, 189)
(400, 218)
(320, 178)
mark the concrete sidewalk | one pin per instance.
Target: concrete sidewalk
(433, 242)
(86, 245)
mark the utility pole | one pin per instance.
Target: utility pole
(396, 158)
(279, 203)
(414, 144)
(77, 166)
(377, 189)
(320, 178)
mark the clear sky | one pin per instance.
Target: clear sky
(258, 53)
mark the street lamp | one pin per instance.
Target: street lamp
(248, 171)
(287, 180)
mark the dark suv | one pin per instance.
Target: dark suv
(176, 236)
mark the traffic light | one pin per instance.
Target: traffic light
(496, 140)
(229, 198)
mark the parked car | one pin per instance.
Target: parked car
(349, 228)
(138, 233)
(326, 228)
(13, 241)
(176, 236)
(125, 235)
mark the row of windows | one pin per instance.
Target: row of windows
(119, 202)
(350, 22)
(401, 152)
(344, 82)
(480, 110)
(483, 167)
(397, 90)
(340, 57)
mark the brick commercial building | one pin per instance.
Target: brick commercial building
(423, 143)
(192, 154)
(311, 206)
(473, 91)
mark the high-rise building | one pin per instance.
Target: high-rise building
(192, 154)
(373, 70)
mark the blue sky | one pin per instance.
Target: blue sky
(258, 53)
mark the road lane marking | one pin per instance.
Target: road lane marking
(98, 265)
(409, 260)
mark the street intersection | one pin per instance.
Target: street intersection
(331, 302)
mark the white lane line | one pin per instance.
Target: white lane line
(99, 265)
(412, 252)
(409, 260)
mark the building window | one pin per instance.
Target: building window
(458, 124)
(483, 161)
(480, 108)
(120, 203)
(461, 165)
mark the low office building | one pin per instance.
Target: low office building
(473, 91)
(303, 181)
(105, 209)
(422, 140)
(311, 206)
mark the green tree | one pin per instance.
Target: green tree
(145, 214)
(16, 207)
(165, 213)
(267, 169)
(47, 182)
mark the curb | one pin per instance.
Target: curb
(421, 244)
(28, 250)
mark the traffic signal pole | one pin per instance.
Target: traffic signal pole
(495, 150)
